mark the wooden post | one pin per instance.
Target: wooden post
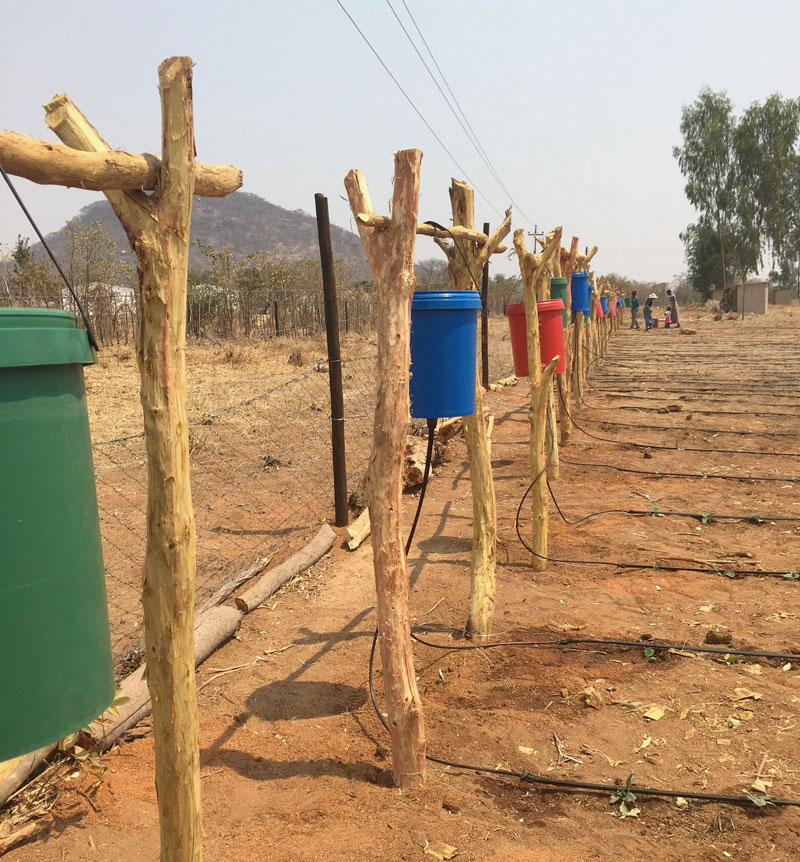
(157, 226)
(390, 252)
(568, 267)
(485, 319)
(533, 268)
(465, 259)
(551, 425)
(334, 361)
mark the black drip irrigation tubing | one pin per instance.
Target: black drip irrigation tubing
(696, 428)
(790, 574)
(675, 448)
(563, 783)
(704, 517)
(658, 474)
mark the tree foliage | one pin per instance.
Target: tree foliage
(742, 175)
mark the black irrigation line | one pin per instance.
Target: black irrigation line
(675, 448)
(704, 517)
(558, 643)
(663, 410)
(658, 474)
(686, 399)
(563, 783)
(697, 428)
(790, 574)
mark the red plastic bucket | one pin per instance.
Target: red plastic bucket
(519, 338)
(551, 335)
(599, 310)
(551, 332)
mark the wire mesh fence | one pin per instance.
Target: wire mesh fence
(261, 467)
(261, 485)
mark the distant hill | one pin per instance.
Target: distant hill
(244, 221)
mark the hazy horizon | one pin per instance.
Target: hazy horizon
(577, 114)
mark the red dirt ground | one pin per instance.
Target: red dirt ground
(295, 764)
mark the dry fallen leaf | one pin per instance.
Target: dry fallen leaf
(523, 749)
(761, 785)
(746, 694)
(440, 850)
(754, 669)
(592, 697)
(681, 802)
(655, 713)
(705, 609)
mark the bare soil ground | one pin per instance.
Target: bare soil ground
(295, 764)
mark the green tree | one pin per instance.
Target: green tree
(707, 160)
(765, 147)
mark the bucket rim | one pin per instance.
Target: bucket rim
(446, 300)
(556, 304)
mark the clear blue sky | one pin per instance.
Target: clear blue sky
(578, 106)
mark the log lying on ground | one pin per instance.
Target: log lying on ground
(50, 163)
(414, 464)
(511, 380)
(212, 628)
(358, 530)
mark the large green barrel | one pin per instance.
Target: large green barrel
(55, 653)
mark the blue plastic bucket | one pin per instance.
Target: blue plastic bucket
(580, 292)
(444, 332)
(604, 303)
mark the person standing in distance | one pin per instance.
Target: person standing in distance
(634, 310)
(672, 305)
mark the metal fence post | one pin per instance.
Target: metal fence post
(485, 319)
(334, 361)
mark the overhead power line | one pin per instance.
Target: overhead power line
(462, 120)
(416, 109)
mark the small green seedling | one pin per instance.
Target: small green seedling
(703, 474)
(756, 519)
(705, 518)
(792, 575)
(649, 654)
(758, 799)
(726, 573)
(626, 799)
(657, 564)
(654, 511)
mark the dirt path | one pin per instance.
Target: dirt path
(295, 763)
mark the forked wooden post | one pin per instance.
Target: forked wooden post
(533, 268)
(157, 226)
(582, 265)
(466, 259)
(390, 252)
(551, 425)
(567, 268)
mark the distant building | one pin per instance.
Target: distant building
(752, 298)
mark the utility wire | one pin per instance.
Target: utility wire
(467, 129)
(416, 109)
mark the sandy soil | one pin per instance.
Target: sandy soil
(295, 764)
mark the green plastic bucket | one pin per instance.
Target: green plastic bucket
(558, 290)
(55, 654)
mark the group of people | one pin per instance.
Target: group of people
(670, 314)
